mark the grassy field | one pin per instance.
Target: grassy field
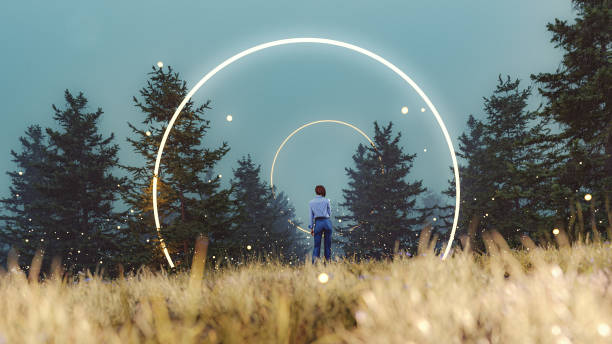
(534, 296)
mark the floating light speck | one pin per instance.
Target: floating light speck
(229, 118)
(148, 133)
(220, 176)
(340, 221)
(249, 247)
(160, 64)
(422, 109)
(425, 150)
(603, 330)
(556, 231)
(26, 240)
(323, 278)
(424, 326)
(588, 197)
(404, 110)
(20, 173)
(556, 271)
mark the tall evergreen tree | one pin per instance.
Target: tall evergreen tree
(504, 185)
(74, 176)
(262, 220)
(25, 209)
(379, 199)
(191, 201)
(579, 96)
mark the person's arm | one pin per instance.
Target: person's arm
(311, 217)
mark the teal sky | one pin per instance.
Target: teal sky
(453, 49)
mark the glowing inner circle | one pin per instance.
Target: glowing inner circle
(297, 131)
(307, 40)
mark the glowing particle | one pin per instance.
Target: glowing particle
(160, 64)
(588, 197)
(422, 109)
(340, 220)
(405, 110)
(148, 133)
(229, 118)
(423, 326)
(118, 227)
(425, 150)
(27, 240)
(20, 173)
(131, 210)
(556, 231)
(492, 198)
(249, 247)
(556, 271)
(603, 330)
(220, 176)
(435, 219)
(323, 278)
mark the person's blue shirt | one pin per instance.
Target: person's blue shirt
(319, 207)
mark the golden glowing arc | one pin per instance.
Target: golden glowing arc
(305, 126)
(308, 40)
(297, 131)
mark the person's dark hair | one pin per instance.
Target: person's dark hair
(320, 190)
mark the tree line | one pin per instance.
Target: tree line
(523, 172)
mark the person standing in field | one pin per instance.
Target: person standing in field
(320, 223)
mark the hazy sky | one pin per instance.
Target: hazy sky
(453, 49)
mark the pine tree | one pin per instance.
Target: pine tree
(190, 201)
(262, 219)
(380, 201)
(26, 207)
(504, 184)
(78, 188)
(579, 96)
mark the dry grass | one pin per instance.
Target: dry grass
(536, 296)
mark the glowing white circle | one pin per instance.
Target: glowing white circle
(305, 126)
(314, 40)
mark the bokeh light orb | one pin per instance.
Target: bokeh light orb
(229, 118)
(422, 109)
(306, 40)
(148, 133)
(405, 110)
(323, 278)
(556, 231)
(249, 247)
(160, 64)
(588, 197)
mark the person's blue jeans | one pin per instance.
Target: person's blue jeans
(322, 229)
